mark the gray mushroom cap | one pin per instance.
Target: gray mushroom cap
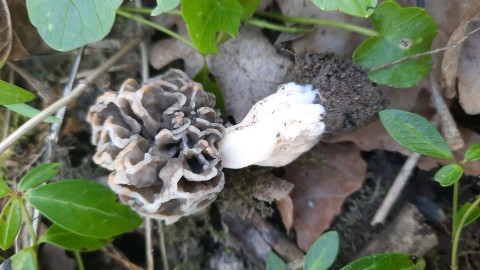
(160, 141)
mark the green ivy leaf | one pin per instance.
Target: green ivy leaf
(415, 133)
(10, 221)
(249, 8)
(69, 24)
(474, 215)
(83, 207)
(4, 189)
(29, 111)
(323, 252)
(210, 85)
(25, 259)
(11, 94)
(164, 6)
(207, 18)
(449, 174)
(360, 8)
(275, 263)
(38, 176)
(402, 32)
(387, 261)
(473, 152)
(68, 240)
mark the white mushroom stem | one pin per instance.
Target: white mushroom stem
(277, 130)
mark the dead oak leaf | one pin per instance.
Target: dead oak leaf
(321, 186)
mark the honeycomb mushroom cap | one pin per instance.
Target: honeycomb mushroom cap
(160, 141)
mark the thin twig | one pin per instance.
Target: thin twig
(79, 89)
(395, 190)
(448, 125)
(143, 49)
(115, 254)
(148, 243)
(410, 57)
(163, 249)
(43, 91)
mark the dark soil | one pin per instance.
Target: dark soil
(351, 100)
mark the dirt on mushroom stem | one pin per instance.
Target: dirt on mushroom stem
(350, 99)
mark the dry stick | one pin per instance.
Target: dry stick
(115, 254)
(410, 57)
(77, 91)
(148, 243)
(163, 250)
(43, 91)
(449, 128)
(395, 190)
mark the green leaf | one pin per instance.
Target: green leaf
(415, 133)
(10, 221)
(448, 174)
(210, 85)
(206, 18)
(249, 8)
(164, 6)
(402, 32)
(387, 261)
(25, 259)
(69, 24)
(83, 207)
(360, 8)
(473, 152)
(68, 240)
(474, 215)
(275, 263)
(323, 252)
(11, 94)
(38, 176)
(4, 189)
(29, 111)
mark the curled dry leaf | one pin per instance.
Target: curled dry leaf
(323, 178)
(5, 32)
(285, 207)
(25, 39)
(468, 70)
(450, 63)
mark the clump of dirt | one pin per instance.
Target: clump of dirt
(351, 100)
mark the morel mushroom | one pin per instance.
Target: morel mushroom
(160, 141)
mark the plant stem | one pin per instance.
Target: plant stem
(148, 11)
(31, 230)
(456, 187)
(331, 23)
(78, 259)
(276, 27)
(156, 26)
(458, 232)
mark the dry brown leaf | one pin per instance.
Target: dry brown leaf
(26, 40)
(248, 69)
(323, 178)
(451, 56)
(5, 32)
(167, 50)
(470, 168)
(285, 207)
